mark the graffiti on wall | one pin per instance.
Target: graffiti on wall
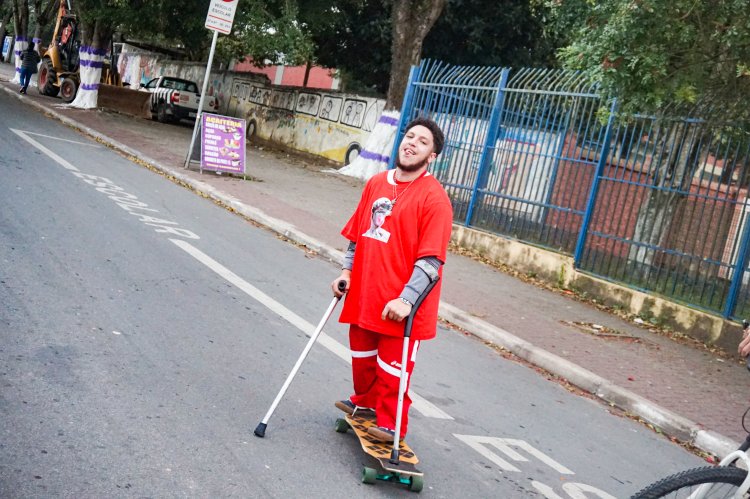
(354, 112)
(333, 126)
(308, 103)
(282, 99)
(331, 109)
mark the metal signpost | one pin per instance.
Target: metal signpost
(219, 19)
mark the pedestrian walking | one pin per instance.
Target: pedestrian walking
(398, 239)
(29, 62)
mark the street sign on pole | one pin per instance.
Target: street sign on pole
(221, 15)
(219, 18)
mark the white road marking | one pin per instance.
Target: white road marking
(505, 445)
(46, 151)
(62, 140)
(419, 403)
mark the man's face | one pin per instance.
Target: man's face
(416, 149)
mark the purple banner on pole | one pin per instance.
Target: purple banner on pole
(222, 143)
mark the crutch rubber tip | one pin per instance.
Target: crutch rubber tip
(260, 430)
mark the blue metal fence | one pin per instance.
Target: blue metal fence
(537, 155)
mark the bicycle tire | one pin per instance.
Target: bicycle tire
(726, 480)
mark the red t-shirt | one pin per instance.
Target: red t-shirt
(390, 238)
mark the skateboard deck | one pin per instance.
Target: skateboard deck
(404, 472)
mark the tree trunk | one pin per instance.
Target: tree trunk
(96, 38)
(43, 15)
(676, 159)
(4, 30)
(411, 21)
(21, 24)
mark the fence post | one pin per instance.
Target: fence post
(489, 142)
(590, 204)
(405, 111)
(739, 271)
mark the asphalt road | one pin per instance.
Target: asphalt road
(146, 331)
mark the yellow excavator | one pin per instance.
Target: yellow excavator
(58, 73)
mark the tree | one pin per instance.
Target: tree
(355, 38)
(490, 33)
(411, 21)
(175, 23)
(42, 11)
(657, 53)
(6, 14)
(262, 30)
(672, 59)
(98, 20)
(267, 33)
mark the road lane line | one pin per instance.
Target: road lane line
(419, 403)
(62, 140)
(46, 151)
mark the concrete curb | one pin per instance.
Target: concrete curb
(668, 422)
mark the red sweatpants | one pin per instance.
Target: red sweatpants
(376, 368)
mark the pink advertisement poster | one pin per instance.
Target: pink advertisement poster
(223, 143)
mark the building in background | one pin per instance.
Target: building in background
(293, 76)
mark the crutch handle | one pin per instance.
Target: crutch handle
(341, 286)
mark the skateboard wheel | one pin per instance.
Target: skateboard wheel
(341, 425)
(416, 483)
(369, 475)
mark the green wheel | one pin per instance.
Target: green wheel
(341, 425)
(369, 475)
(416, 483)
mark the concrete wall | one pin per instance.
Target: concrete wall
(326, 123)
(558, 270)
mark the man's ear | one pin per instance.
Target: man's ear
(431, 157)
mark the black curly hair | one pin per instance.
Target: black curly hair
(437, 134)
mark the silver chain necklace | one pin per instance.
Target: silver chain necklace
(396, 194)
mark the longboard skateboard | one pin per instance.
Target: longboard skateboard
(404, 472)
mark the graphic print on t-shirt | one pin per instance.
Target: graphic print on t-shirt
(381, 208)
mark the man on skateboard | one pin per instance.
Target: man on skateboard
(398, 239)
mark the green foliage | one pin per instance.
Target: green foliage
(172, 23)
(265, 31)
(653, 54)
(491, 33)
(356, 38)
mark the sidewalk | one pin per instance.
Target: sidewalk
(690, 393)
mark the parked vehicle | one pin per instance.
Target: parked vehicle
(174, 99)
(58, 73)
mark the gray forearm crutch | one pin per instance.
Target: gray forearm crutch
(260, 430)
(404, 358)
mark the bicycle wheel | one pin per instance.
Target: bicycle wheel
(722, 482)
